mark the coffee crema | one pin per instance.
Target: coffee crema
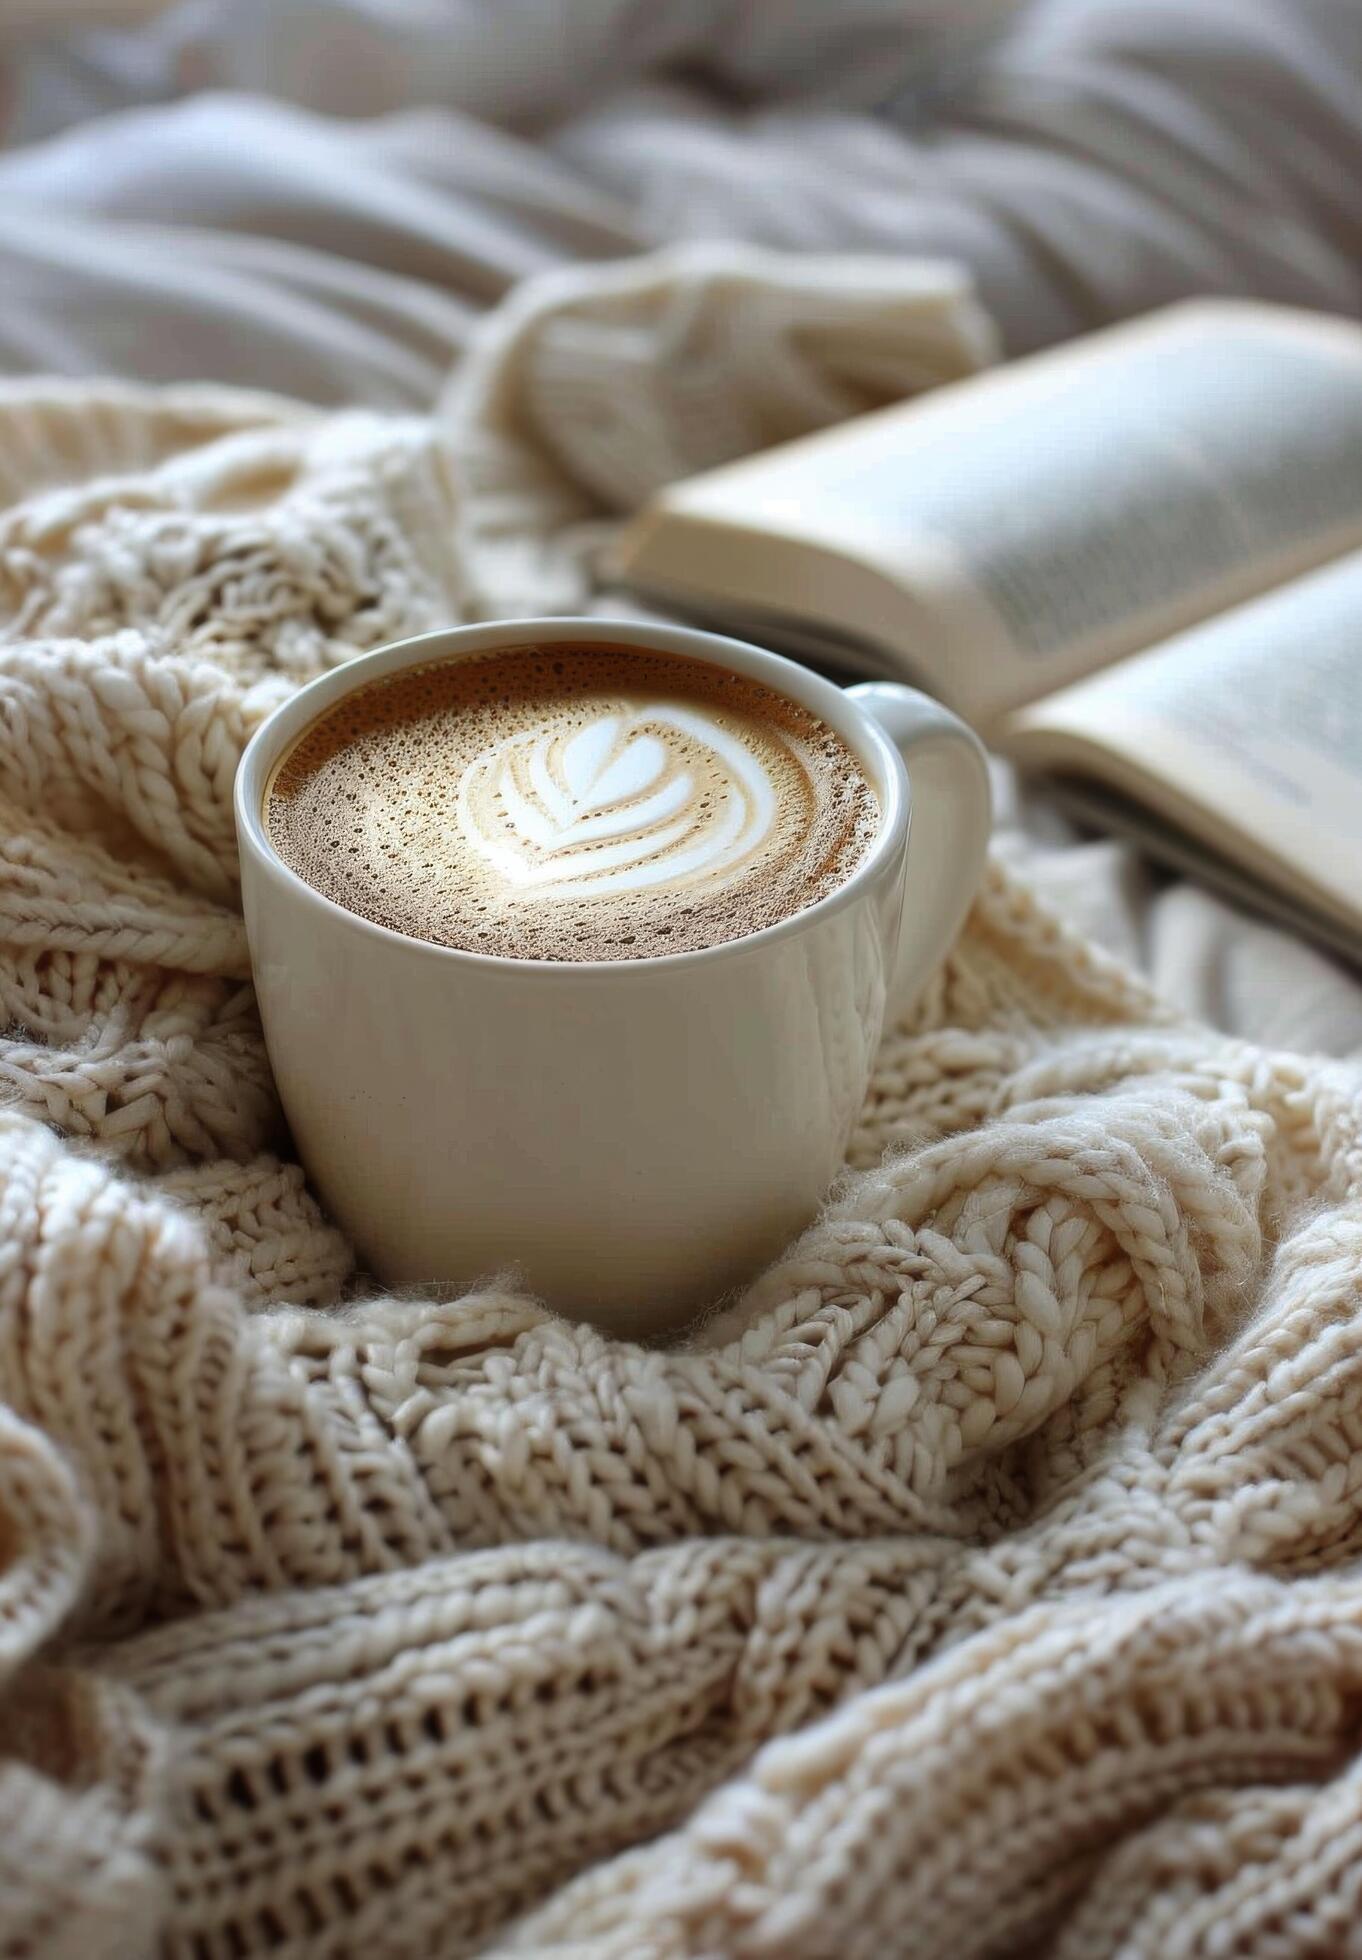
(582, 802)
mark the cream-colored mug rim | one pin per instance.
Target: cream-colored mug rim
(870, 744)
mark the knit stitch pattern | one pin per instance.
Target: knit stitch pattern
(986, 1580)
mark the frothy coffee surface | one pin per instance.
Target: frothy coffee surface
(571, 803)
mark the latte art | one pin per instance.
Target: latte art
(577, 803)
(662, 796)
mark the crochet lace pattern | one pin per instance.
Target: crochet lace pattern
(985, 1581)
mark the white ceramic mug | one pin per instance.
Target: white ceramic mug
(635, 1137)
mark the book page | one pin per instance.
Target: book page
(1010, 533)
(1246, 731)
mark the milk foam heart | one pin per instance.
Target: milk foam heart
(634, 799)
(579, 803)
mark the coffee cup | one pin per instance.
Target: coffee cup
(634, 1137)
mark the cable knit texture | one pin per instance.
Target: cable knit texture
(985, 1581)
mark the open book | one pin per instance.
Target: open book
(1135, 564)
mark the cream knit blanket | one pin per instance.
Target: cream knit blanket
(986, 1580)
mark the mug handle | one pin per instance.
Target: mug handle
(951, 814)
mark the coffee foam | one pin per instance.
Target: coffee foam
(579, 803)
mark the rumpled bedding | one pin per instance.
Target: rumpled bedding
(325, 199)
(983, 1582)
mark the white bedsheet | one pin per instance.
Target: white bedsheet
(1090, 161)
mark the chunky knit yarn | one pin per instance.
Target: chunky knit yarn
(986, 1581)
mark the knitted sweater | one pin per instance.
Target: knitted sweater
(985, 1580)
